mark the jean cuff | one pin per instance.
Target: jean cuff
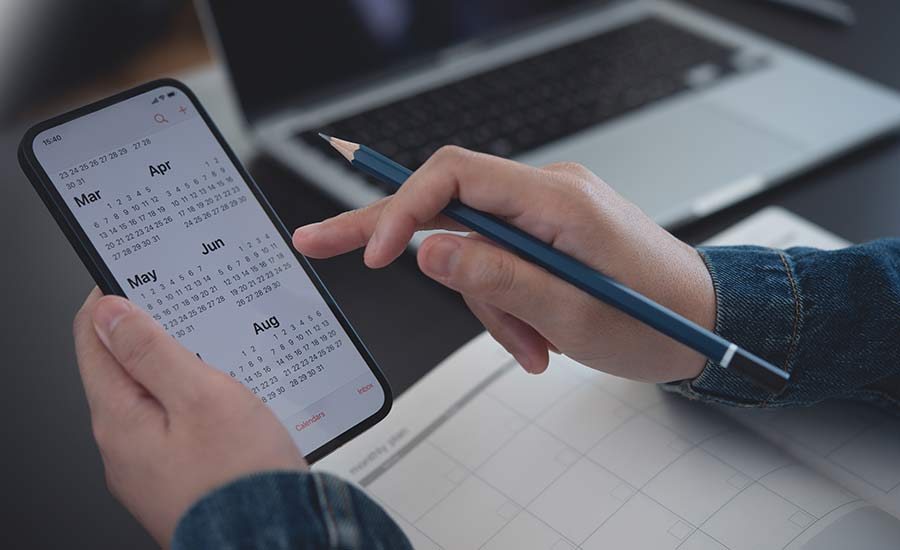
(759, 308)
(284, 510)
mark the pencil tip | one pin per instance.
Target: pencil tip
(345, 148)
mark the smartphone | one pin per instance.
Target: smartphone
(161, 212)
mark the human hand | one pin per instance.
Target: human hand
(170, 427)
(526, 309)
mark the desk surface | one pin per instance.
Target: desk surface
(52, 475)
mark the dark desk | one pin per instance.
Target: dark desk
(53, 481)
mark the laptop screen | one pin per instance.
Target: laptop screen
(281, 53)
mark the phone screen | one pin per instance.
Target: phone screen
(187, 240)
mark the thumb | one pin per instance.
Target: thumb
(490, 274)
(165, 368)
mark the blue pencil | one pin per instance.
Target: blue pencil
(719, 350)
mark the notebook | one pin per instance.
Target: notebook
(480, 455)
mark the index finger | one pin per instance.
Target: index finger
(499, 186)
(351, 230)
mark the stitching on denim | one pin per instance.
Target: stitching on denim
(707, 368)
(714, 276)
(328, 514)
(686, 390)
(792, 344)
(880, 395)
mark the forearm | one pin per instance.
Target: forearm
(830, 318)
(287, 511)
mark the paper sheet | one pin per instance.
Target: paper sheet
(479, 454)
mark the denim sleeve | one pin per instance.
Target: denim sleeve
(830, 318)
(287, 511)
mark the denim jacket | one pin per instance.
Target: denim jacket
(830, 318)
(287, 511)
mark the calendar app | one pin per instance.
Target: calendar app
(187, 240)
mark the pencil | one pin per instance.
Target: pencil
(720, 351)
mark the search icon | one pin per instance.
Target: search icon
(159, 118)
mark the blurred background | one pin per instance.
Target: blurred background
(56, 54)
(59, 54)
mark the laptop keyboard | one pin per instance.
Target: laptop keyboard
(523, 105)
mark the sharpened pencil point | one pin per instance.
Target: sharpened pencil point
(345, 148)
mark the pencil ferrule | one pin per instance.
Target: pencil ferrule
(726, 358)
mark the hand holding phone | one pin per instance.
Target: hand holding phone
(161, 212)
(170, 429)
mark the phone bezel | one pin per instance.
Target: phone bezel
(104, 278)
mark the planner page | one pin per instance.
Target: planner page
(187, 240)
(479, 454)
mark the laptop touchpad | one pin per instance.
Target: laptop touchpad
(668, 157)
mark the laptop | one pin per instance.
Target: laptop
(681, 112)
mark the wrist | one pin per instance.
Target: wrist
(699, 306)
(705, 311)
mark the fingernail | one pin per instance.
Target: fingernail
(374, 241)
(108, 314)
(306, 229)
(525, 362)
(442, 258)
(372, 248)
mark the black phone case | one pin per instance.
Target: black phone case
(103, 276)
